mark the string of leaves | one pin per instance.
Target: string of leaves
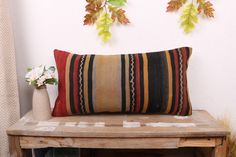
(103, 14)
(191, 11)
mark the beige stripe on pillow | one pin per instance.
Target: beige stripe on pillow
(127, 87)
(86, 66)
(170, 92)
(68, 61)
(108, 83)
(145, 80)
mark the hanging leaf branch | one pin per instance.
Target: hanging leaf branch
(191, 11)
(104, 13)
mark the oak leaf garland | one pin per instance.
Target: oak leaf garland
(191, 11)
(104, 13)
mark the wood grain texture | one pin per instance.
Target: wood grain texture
(220, 150)
(206, 134)
(118, 143)
(197, 142)
(206, 126)
(14, 147)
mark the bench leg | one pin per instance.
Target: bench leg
(221, 149)
(14, 147)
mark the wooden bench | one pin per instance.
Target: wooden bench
(147, 132)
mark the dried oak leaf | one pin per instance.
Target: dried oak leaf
(90, 19)
(206, 8)
(93, 8)
(200, 6)
(119, 15)
(174, 5)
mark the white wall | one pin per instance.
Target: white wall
(43, 25)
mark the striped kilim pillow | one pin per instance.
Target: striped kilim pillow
(154, 82)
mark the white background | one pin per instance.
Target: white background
(40, 26)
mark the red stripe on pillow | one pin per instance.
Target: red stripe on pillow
(59, 109)
(176, 82)
(185, 80)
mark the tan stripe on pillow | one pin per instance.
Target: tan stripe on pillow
(145, 80)
(67, 82)
(108, 84)
(127, 88)
(86, 65)
(170, 95)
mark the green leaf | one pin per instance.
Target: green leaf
(117, 3)
(52, 81)
(189, 17)
(29, 69)
(34, 83)
(103, 26)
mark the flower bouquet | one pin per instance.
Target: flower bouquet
(40, 76)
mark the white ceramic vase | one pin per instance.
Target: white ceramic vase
(41, 104)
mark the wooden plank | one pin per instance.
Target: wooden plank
(221, 149)
(14, 147)
(197, 142)
(118, 143)
(119, 132)
(206, 126)
(124, 143)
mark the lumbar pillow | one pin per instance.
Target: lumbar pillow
(154, 82)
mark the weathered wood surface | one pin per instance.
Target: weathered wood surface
(118, 143)
(206, 132)
(221, 149)
(206, 126)
(198, 142)
(14, 147)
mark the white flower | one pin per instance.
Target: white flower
(41, 80)
(34, 74)
(39, 76)
(49, 74)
